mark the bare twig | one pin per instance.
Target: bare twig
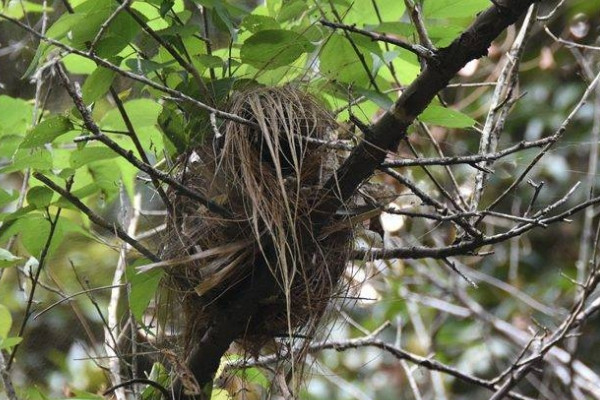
(95, 218)
(500, 104)
(127, 155)
(140, 78)
(419, 50)
(561, 130)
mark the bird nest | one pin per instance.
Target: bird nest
(267, 175)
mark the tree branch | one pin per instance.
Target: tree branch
(391, 128)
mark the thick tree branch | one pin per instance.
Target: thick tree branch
(384, 136)
(391, 128)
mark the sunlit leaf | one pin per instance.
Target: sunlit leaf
(39, 196)
(87, 155)
(97, 84)
(340, 62)
(39, 159)
(46, 131)
(274, 48)
(442, 116)
(5, 321)
(453, 8)
(143, 289)
(9, 342)
(15, 116)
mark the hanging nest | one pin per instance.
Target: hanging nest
(267, 175)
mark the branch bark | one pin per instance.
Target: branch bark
(384, 136)
(390, 129)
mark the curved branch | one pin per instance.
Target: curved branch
(390, 129)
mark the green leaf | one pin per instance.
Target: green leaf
(46, 131)
(39, 159)
(254, 23)
(340, 62)
(362, 12)
(453, 8)
(165, 7)
(146, 67)
(5, 321)
(33, 230)
(97, 84)
(292, 10)
(143, 289)
(253, 375)
(158, 374)
(173, 124)
(7, 259)
(78, 65)
(141, 113)
(107, 175)
(87, 155)
(9, 342)
(209, 61)
(274, 48)
(18, 9)
(39, 196)
(382, 100)
(6, 197)
(442, 116)
(15, 116)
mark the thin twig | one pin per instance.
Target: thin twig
(419, 50)
(140, 78)
(128, 155)
(95, 218)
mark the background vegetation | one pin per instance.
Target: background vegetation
(420, 321)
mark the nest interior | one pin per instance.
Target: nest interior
(267, 175)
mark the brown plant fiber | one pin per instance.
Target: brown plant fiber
(267, 176)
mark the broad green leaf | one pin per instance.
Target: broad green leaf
(18, 9)
(39, 159)
(141, 113)
(78, 65)
(39, 196)
(158, 374)
(255, 23)
(382, 100)
(9, 342)
(46, 131)
(119, 34)
(254, 375)
(274, 48)
(7, 259)
(406, 66)
(363, 12)
(146, 67)
(209, 61)
(87, 155)
(107, 176)
(166, 6)
(15, 116)
(6, 197)
(442, 116)
(340, 62)
(453, 8)
(5, 321)
(97, 84)
(33, 230)
(292, 10)
(220, 394)
(173, 125)
(143, 289)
